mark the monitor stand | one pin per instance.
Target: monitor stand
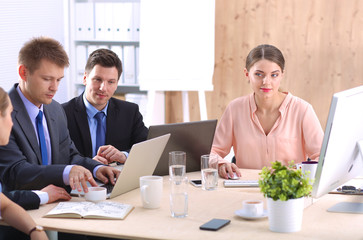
(349, 207)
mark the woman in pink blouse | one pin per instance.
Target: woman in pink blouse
(267, 125)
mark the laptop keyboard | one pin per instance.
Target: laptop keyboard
(108, 186)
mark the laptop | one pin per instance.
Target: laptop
(142, 160)
(194, 138)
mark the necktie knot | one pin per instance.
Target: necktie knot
(99, 116)
(40, 117)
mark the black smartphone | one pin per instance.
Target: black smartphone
(215, 224)
(196, 183)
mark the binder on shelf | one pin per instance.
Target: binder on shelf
(84, 21)
(129, 65)
(100, 24)
(123, 21)
(81, 59)
(136, 21)
(137, 65)
(108, 33)
(118, 51)
(79, 28)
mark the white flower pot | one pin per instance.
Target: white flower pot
(285, 216)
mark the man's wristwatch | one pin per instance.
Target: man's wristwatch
(36, 228)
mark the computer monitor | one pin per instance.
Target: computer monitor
(341, 156)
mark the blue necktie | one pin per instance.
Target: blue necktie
(100, 133)
(43, 146)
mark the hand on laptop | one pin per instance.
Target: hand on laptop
(108, 154)
(78, 178)
(107, 174)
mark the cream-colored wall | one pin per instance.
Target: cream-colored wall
(321, 41)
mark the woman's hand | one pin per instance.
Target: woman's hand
(227, 169)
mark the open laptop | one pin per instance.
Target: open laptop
(142, 160)
(194, 138)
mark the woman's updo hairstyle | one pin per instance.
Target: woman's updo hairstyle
(267, 52)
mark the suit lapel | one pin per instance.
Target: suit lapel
(80, 115)
(112, 119)
(22, 117)
(53, 133)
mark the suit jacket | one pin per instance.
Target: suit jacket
(20, 160)
(124, 125)
(24, 198)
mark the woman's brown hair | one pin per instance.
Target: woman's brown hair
(267, 52)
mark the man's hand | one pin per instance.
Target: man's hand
(79, 176)
(110, 154)
(107, 174)
(100, 159)
(56, 193)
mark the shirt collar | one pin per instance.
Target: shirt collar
(282, 108)
(32, 110)
(91, 110)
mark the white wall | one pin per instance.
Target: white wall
(20, 20)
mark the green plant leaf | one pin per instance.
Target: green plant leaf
(281, 182)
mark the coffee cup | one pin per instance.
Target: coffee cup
(253, 208)
(151, 188)
(96, 194)
(309, 168)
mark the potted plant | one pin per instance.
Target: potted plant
(284, 188)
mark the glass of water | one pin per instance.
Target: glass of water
(179, 197)
(209, 172)
(177, 164)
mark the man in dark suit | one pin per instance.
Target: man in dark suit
(122, 122)
(40, 151)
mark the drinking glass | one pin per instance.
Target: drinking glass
(209, 172)
(179, 197)
(177, 161)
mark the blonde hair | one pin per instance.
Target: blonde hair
(40, 48)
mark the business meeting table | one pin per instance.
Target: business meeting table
(203, 206)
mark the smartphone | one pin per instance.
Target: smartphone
(196, 183)
(215, 224)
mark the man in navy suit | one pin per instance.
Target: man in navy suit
(122, 122)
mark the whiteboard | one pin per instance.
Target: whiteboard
(176, 45)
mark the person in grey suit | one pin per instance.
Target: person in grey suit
(40, 152)
(122, 122)
(10, 212)
(24, 164)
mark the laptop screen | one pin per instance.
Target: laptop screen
(194, 138)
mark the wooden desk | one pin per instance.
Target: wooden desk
(203, 206)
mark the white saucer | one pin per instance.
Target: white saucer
(241, 213)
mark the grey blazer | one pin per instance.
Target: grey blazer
(20, 160)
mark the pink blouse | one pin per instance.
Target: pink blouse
(296, 134)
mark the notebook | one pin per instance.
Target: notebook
(194, 138)
(142, 160)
